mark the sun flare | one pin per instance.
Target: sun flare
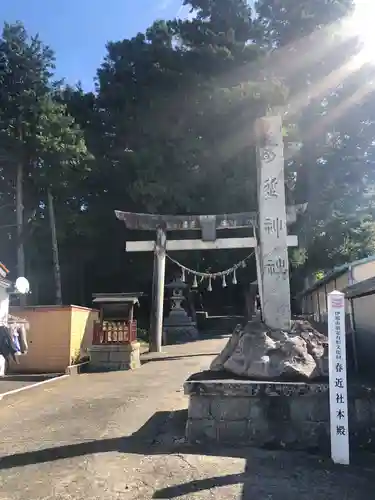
(362, 23)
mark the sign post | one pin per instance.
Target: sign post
(338, 393)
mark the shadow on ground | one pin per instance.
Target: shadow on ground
(14, 377)
(151, 358)
(268, 475)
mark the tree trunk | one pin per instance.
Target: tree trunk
(20, 229)
(55, 250)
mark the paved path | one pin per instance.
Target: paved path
(120, 436)
(14, 382)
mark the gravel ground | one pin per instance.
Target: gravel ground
(120, 436)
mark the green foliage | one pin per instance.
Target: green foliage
(37, 133)
(169, 129)
(143, 335)
(282, 23)
(319, 275)
(25, 71)
(333, 108)
(176, 117)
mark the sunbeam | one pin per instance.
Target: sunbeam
(362, 24)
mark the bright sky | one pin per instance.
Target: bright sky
(78, 30)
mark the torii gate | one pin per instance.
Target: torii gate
(270, 238)
(208, 225)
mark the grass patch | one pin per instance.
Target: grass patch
(143, 337)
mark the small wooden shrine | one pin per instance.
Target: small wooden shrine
(114, 343)
(116, 324)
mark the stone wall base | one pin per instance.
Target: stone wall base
(114, 357)
(274, 415)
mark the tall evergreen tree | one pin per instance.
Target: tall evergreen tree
(25, 72)
(39, 141)
(177, 116)
(332, 104)
(170, 126)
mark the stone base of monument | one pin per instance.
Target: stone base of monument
(291, 415)
(113, 357)
(257, 352)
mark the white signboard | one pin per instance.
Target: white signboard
(338, 394)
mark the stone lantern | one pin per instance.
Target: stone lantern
(178, 326)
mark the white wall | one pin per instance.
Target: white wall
(364, 271)
(364, 312)
(342, 281)
(4, 305)
(312, 299)
(365, 307)
(364, 318)
(322, 302)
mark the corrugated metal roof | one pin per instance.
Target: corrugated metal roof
(335, 273)
(365, 287)
(116, 297)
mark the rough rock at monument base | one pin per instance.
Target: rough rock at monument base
(257, 352)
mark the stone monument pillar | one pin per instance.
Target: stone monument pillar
(272, 227)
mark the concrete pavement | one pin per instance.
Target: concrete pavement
(16, 382)
(120, 436)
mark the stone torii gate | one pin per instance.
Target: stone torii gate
(270, 238)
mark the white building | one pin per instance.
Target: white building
(313, 299)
